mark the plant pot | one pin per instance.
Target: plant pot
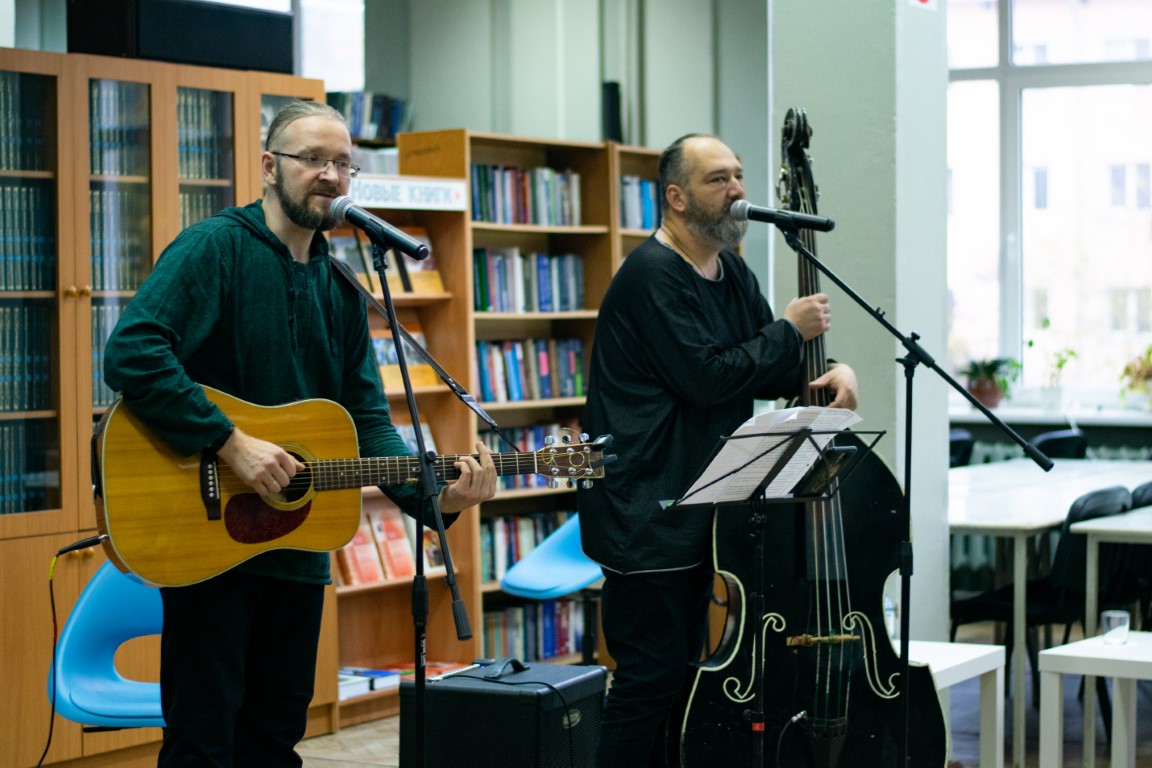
(986, 391)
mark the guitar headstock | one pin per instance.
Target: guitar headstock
(573, 458)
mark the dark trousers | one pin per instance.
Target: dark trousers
(655, 626)
(237, 668)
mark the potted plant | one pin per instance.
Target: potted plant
(1137, 375)
(990, 380)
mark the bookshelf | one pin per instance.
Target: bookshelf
(102, 162)
(513, 215)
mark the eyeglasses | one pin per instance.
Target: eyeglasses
(317, 163)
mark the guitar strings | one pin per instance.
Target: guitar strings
(389, 470)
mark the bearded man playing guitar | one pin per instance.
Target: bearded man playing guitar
(247, 302)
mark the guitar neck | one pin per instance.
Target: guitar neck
(337, 474)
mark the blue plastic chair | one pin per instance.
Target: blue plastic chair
(556, 567)
(112, 609)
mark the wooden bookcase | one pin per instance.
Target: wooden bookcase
(102, 162)
(597, 238)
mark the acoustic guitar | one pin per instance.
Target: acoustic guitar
(173, 520)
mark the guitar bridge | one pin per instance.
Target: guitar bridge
(210, 484)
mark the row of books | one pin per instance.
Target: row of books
(371, 116)
(528, 440)
(420, 276)
(121, 244)
(23, 100)
(509, 195)
(534, 631)
(26, 483)
(359, 681)
(26, 355)
(530, 369)
(118, 114)
(384, 346)
(203, 134)
(383, 550)
(506, 280)
(27, 235)
(639, 203)
(104, 319)
(506, 539)
(408, 435)
(202, 203)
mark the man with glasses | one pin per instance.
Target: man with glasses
(248, 302)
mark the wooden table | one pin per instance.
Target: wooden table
(1125, 663)
(1132, 527)
(1017, 500)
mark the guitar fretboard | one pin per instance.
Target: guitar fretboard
(336, 474)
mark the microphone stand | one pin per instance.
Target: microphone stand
(916, 355)
(431, 497)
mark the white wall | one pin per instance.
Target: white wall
(7, 23)
(514, 66)
(871, 76)
(40, 24)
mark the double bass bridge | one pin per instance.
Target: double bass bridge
(810, 641)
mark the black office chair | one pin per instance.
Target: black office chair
(1062, 444)
(1057, 598)
(960, 445)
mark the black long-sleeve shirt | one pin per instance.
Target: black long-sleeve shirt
(676, 364)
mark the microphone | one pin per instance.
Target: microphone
(742, 210)
(381, 232)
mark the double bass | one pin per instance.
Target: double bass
(804, 674)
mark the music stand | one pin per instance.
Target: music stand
(790, 464)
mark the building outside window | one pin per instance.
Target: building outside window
(1050, 210)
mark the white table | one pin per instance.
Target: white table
(1125, 663)
(952, 663)
(1133, 527)
(1018, 500)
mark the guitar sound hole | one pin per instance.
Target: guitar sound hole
(250, 520)
(301, 482)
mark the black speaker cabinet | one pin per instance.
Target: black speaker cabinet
(547, 716)
(182, 31)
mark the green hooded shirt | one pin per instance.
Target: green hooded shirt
(227, 306)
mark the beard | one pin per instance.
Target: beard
(296, 207)
(721, 229)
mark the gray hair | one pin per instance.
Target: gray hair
(293, 111)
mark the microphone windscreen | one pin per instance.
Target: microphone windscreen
(739, 210)
(340, 207)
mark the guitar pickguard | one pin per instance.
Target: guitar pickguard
(249, 520)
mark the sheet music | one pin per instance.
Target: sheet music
(730, 476)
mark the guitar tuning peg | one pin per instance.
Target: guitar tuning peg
(550, 440)
(566, 438)
(553, 483)
(583, 437)
(571, 483)
(585, 484)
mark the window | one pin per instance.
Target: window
(331, 40)
(1040, 188)
(1050, 198)
(329, 37)
(1119, 185)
